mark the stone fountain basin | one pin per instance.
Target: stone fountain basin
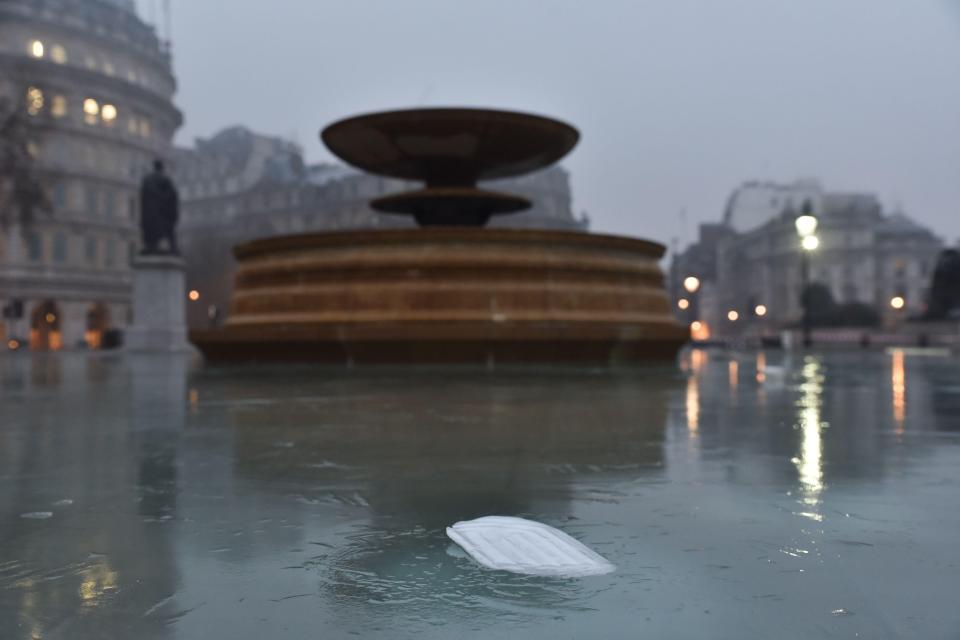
(447, 295)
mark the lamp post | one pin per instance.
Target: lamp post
(806, 224)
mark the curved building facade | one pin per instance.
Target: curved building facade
(94, 85)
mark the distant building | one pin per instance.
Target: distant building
(239, 185)
(753, 258)
(95, 84)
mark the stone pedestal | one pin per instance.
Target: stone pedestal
(159, 305)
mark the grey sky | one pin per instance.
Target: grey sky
(678, 101)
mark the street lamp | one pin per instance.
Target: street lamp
(806, 224)
(897, 302)
(683, 304)
(691, 284)
(760, 310)
(733, 316)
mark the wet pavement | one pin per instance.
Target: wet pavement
(818, 497)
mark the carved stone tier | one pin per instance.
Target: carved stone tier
(447, 295)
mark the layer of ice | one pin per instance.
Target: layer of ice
(525, 546)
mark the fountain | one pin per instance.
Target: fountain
(451, 291)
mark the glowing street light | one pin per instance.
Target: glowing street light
(897, 302)
(194, 295)
(806, 223)
(683, 303)
(691, 284)
(760, 310)
(733, 316)
(810, 243)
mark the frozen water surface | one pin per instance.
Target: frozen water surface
(820, 501)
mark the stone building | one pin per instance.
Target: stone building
(753, 259)
(238, 186)
(95, 85)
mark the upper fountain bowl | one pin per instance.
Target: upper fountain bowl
(450, 146)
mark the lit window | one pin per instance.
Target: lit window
(59, 54)
(58, 107)
(108, 68)
(145, 127)
(90, 62)
(34, 101)
(91, 109)
(132, 126)
(132, 76)
(108, 113)
(36, 49)
(33, 150)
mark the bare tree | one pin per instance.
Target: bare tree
(21, 194)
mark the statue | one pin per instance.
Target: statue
(944, 299)
(159, 210)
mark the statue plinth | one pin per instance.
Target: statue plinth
(159, 305)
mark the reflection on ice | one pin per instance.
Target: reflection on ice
(810, 462)
(898, 386)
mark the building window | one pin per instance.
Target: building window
(58, 107)
(91, 201)
(90, 250)
(35, 101)
(108, 68)
(111, 253)
(36, 48)
(90, 62)
(60, 196)
(59, 247)
(145, 128)
(35, 247)
(132, 126)
(899, 267)
(91, 109)
(109, 114)
(109, 208)
(58, 54)
(132, 208)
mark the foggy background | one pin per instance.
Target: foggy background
(678, 101)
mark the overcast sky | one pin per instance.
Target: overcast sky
(678, 101)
